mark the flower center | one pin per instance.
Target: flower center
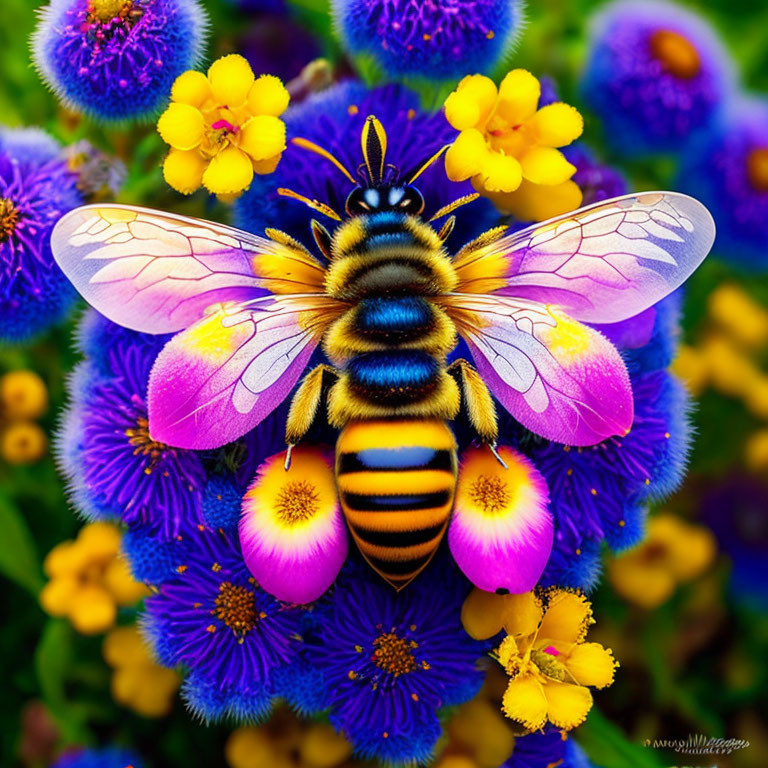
(394, 654)
(120, 11)
(142, 443)
(677, 53)
(235, 607)
(490, 493)
(9, 218)
(297, 501)
(757, 168)
(548, 664)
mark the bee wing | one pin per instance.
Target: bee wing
(602, 264)
(220, 377)
(559, 378)
(157, 272)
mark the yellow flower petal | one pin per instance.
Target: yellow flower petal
(567, 616)
(537, 202)
(268, 96)
(591, 664)
(57, 595)
(499, 173)
(123, 646)
(508, 654)
(567, 705)
(23, 395)
(471, 103)
(229, 172)
(191, 88)
(466, 155)
(645, 584)
(181, 126)
(231, 78)
(525, 702)
(263, 137)
(523, 614)
(556, 125)
(184, 170)
(92, 610)
(119, 580)
(483, 614)
(519, 94)
(99, 541)
(544, 165)
(266, 166)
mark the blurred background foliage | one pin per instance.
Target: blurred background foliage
(695, 664)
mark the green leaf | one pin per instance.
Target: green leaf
(53, 659)
(18, 557)
(607, 745)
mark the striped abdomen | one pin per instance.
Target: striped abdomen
(396, 482)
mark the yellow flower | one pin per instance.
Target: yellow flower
(545, 653)
(89, 579)
(23, 442)
(742, 318)
(691, 366)
(756, 451)
(23, 395)
(223, 127)
(507, 146)
(674, 552)
(285, 742)
(478, 728)
(137, 681)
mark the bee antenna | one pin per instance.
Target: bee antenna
(315, 205)
(374, 143)
(310, 146)
(431, 161)
(454, 205)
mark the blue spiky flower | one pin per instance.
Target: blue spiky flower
(656, 74)
(36, 188)
(113, 468)
(116, 60)
(389, 661)
(107, 757)
(727, 169)
(435, 40)
(230, 634)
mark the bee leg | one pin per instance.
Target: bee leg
(477, 400)
(304, 406)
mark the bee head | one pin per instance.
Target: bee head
(400, 198)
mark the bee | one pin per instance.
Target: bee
(387, 302)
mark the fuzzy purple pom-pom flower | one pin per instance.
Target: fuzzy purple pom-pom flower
(36, 188)
(727, 169)
(116, 60)
(656, 74)
(435, 39)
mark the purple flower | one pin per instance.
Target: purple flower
(656, 73)
(36, 188)
(390, 661)
(117, 59)
(227, 632)
(436, 39)
(114, 469)
(727, 169)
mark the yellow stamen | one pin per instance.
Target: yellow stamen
(297, 501)
(393, 654)
(235, 607)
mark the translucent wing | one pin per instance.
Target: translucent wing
(157, 272)
(601, 264)
(220, 377)
(557, 377)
